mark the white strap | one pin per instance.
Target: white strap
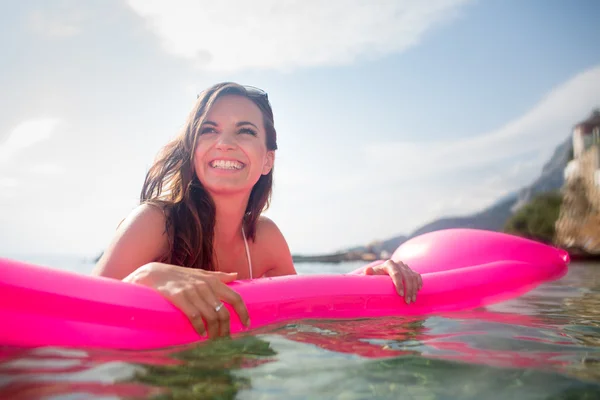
(247, 251)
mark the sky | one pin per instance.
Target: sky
(389, 113)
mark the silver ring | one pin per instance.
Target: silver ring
(217, 308)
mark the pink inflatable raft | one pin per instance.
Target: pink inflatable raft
(461, 269)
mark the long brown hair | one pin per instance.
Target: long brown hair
(171, 183)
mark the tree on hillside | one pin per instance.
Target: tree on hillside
(536, 219)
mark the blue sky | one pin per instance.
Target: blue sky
(389, 113)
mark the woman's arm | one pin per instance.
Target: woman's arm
(140, 239)
(279, 261)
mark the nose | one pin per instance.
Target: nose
(226, 142)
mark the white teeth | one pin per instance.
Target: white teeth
(226, 164)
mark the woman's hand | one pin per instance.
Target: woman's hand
(197, 293)
(407, 281)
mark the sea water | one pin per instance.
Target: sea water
(543, 345)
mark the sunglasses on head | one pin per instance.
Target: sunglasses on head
(252, 91)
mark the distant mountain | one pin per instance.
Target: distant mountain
(511, 196)
(495, 216)
(552, 177)
(492, 218)
(388, 245)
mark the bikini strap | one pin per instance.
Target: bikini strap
(247, 251)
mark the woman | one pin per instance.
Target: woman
(199, 224)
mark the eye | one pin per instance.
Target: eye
(208, 129)
(248, 131)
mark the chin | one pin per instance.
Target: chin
(228, 189)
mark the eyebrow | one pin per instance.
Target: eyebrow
(238, 124)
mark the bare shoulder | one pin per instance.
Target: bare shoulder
(266, 226)
(269, 236)
(274, 250)
(143, 217)
(139, 239)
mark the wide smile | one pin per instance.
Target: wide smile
(231, 165)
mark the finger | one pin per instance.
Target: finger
(211, 320)
(420, 282)
(190, 309)
(205, 299)
(409, 287)
(379, 269)
(395, 273)
(415, 285)
(224, 319)
(226, 277)
(233, 298)
(221, 312)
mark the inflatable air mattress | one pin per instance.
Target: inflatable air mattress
(461, 269)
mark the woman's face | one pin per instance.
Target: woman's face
(231, 152)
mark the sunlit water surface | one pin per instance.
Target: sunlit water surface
(543, 345)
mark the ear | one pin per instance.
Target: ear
(269, 161)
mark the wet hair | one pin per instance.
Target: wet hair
(172, 184)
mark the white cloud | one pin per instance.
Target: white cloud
(492, 157)
(504, 159)
(512, 177)
(540, 130)
(60, 23)
(6, 182)
(47, 169)
(8, 186)
(276, 34)
(27, 134)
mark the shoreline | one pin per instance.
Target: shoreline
(575, 254)
(335, 258)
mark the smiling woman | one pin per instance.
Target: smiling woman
(199, 224)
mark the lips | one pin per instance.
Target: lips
(226, 164)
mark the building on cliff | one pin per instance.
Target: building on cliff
(578, 224)
(586, 133)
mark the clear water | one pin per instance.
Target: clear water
(544, 345)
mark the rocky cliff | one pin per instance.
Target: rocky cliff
(578, 225)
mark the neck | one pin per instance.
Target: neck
(229, 215)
